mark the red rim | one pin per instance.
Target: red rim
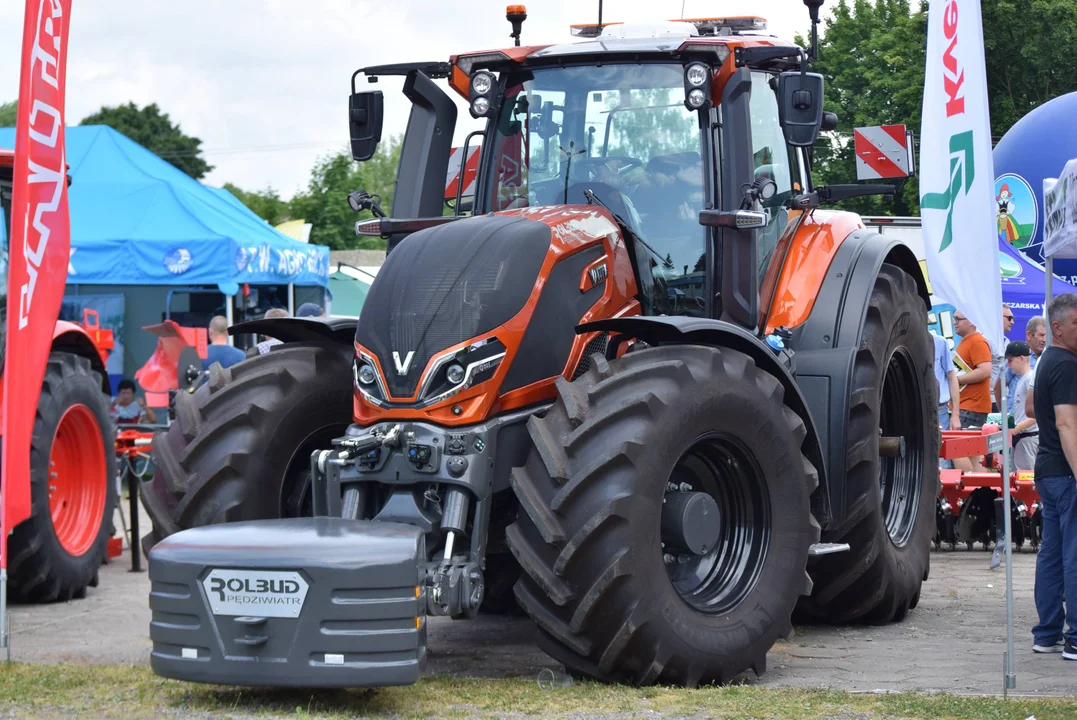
(77, 482)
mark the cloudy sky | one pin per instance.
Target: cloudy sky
(265, 84)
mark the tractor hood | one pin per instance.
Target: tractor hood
(446, 285)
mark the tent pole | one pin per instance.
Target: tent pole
(229, 315)
(291, 299)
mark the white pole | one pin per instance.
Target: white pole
(1010, 680)
(291, 299)
(5, 641)
(1047, 278)
(229, 315)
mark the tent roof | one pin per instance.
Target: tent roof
(138, 220)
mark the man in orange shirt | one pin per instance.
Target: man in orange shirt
(975, 351)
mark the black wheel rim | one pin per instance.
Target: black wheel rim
(899, 477)
(720, 580)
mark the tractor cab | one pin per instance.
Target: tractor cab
(673, 128)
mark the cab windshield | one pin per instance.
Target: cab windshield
(623, 133)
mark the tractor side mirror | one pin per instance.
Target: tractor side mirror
(365, 113)
(800, 106)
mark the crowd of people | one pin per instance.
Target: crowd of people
(1043, 437)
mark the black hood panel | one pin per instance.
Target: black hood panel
(445, 285)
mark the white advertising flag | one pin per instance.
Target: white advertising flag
(956, 172)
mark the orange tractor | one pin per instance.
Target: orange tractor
(648, 391)
(55, 554)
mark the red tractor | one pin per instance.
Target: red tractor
(55, 554)
(647, 390)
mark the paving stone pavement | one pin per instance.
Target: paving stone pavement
(953, 641)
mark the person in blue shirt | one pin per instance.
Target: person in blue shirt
(1036, 339)
(946, 376)
(219, 351)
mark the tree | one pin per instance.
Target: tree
(7, 113)
(266, 204)
(1029, 48)
(324, 203)
(154, 130)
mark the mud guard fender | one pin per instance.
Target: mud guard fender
(337, 330)
(674, 330)
(826, 344)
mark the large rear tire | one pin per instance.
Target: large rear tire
(56, 553)
(614, 448)
(240, 446)
(891, 518)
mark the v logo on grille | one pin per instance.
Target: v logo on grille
(402, 367)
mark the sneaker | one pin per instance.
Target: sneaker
(1070, 652)
(1055, 647)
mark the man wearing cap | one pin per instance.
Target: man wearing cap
(1026, 435)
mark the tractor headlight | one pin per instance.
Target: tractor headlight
(480, 106)
(482, 83)
(697, 86)
(482, 95)
(455, 374)
(365, 375)
(696, 74)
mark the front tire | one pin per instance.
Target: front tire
(240, 446)
(607, 456)
(891, 502)
(56, 553)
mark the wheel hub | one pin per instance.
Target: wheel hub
(689, 523)
(715, 524)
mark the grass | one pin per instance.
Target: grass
(133, 693)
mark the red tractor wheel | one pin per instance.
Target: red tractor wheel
(77, 483)
(55, 554)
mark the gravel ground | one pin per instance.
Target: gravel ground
(953, 641)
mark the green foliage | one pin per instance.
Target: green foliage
(325, 201)
(266, 204)
(7, 113)
(1029, 48)
(154, 130)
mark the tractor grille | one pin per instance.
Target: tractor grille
(597, 345)
(446, 285)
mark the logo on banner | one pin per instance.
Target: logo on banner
(178, 261)
(962, 168)
(46, 122)
(962, 165)
(1017, 210)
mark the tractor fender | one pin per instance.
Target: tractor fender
(337, 330)
(72, 338)
(718, 333)
(825, 345)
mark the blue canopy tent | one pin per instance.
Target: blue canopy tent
(137, 220)
(143, 230)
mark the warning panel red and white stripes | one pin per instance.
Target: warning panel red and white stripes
(881, 152)
(470, 172)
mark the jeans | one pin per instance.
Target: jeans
(970, 419)
(944, 424)
(1056, 563)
